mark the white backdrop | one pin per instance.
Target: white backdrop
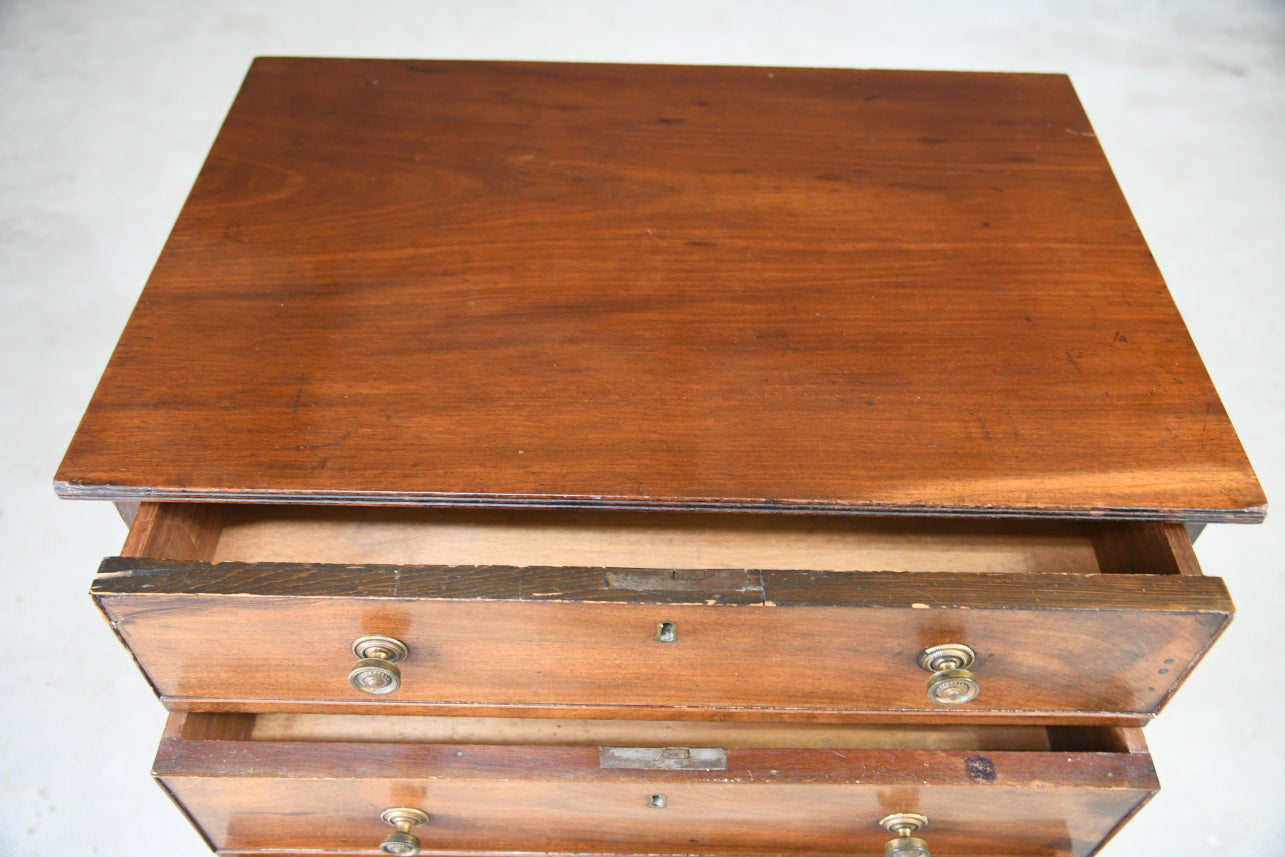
(106, 112)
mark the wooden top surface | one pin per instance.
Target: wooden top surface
(559, 285)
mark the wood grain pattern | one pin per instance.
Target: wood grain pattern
(765, 643)
(1163, 548)
(487, 799)
(225, 726)
(188, 530)
(572, 286)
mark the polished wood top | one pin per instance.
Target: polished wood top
(516, 284)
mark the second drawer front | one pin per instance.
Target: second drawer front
(250, 795)
(664, 641)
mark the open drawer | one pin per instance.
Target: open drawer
(321, 783)
(662, 616)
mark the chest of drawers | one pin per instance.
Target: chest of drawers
(558, 459)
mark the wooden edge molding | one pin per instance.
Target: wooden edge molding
(76, 491)
(125, 576)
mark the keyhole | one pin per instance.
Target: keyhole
(657, 801)
(666, 632)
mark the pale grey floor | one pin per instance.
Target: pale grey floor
(106, 111)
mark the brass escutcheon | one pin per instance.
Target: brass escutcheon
(375, 671)
(902, 825)
(951, 682)
(402, 842)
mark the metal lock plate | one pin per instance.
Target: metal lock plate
(664, 758)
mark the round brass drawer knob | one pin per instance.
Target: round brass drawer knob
(376, 669)
(401, 841)
(951, 682)
(953, 687)
(903, 825)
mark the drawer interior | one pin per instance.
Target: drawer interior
(459, 537)
(633, 733)
(550, 732)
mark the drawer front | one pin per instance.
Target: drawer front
(254, 796)
(744, 643)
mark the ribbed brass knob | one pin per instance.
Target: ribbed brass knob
(401, 841)
(951, 682)
(376, 669)
(902, 825)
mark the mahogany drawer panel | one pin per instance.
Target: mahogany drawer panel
(1063, 796)
(540, 639)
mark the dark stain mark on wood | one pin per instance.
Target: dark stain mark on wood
(980, 769)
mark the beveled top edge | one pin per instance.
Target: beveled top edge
(118, 493)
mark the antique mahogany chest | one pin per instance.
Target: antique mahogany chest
(620, 460)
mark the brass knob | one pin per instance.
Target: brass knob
(951, 682)
(376, 669)
(401, 841)
(902, 825)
